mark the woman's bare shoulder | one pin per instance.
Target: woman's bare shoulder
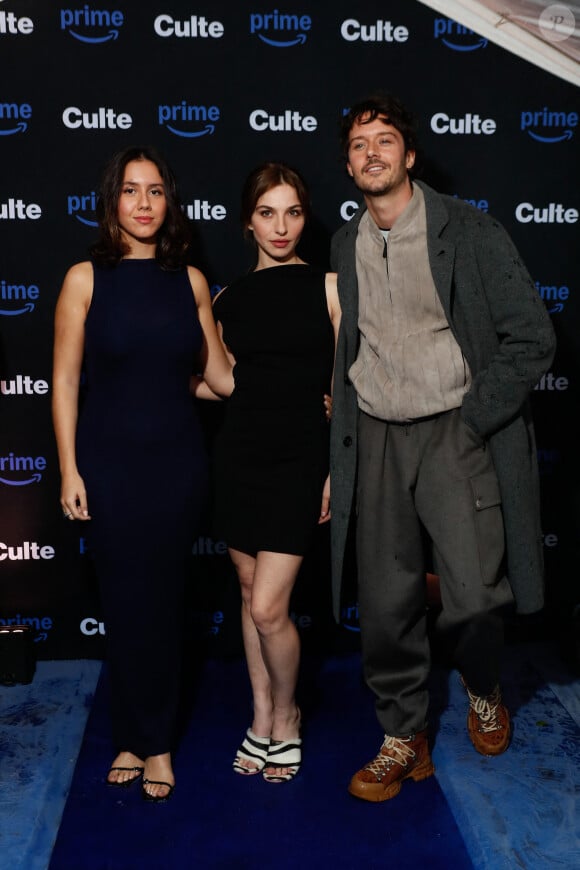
(80, 272)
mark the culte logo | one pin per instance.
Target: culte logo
(23, 385)
(548, 126)
(549, 383)
(91, 626)
(21, 470)
(12, 24)
(82, 208)
(553, 213)
(553, 296)
(104, 118)
(348, 209)
(14, 118)
(91, 25)
(456, 36)
(202, 210)
(17, 299)
(209, 547)
(25, 551)
(196, 26)
(18, 210)
(289, 121)
(352, 30)
(279, 29)
(175, 117)
(470, 124)
(302, 621)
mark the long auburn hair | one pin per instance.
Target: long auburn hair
(174, 236)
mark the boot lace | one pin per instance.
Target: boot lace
(399, 753)
(486, 709)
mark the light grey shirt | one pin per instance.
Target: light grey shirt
(409, 364)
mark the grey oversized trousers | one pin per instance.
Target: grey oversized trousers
(434, 476)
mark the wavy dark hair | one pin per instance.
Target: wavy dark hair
(380, 105)
(262, 179)
(174, 237)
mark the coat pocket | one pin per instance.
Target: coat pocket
(489, 526)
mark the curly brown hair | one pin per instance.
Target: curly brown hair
(385, 106)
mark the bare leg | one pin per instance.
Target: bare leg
(259, 678)
(271, 641)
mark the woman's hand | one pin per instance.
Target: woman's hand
(325, 506)
(73, 498)
(328, 406)
(200, 390)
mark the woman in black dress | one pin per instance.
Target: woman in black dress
(141, 319)
(279, 325)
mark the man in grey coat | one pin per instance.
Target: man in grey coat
(443, 336)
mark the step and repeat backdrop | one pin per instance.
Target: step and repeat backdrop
(219, 87)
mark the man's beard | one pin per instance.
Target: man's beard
(392, 183)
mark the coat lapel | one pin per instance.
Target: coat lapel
(348, 285)
(441, 252)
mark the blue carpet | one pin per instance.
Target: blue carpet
(41, 727)
(522, 809)
(217, 819)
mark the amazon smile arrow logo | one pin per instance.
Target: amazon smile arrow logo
(4, 312)
(36, 478)
(209, 128)
(299, 40)
(567, 134)
(481, 43)
(112, 34)
(22, 127)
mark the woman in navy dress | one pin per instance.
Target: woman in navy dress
(279, 325)
(133, 465)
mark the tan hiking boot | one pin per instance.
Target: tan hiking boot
(488, 722)
(399, 758)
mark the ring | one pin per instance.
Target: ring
(66, 516)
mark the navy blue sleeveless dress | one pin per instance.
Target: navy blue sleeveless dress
(141, 455)
(271, 455)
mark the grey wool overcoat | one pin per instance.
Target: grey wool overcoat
(506, 336)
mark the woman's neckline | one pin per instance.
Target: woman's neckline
(277, 266)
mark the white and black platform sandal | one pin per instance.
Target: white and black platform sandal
(283, 754)
(253, 749)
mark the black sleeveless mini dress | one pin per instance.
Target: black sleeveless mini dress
(271, 455)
